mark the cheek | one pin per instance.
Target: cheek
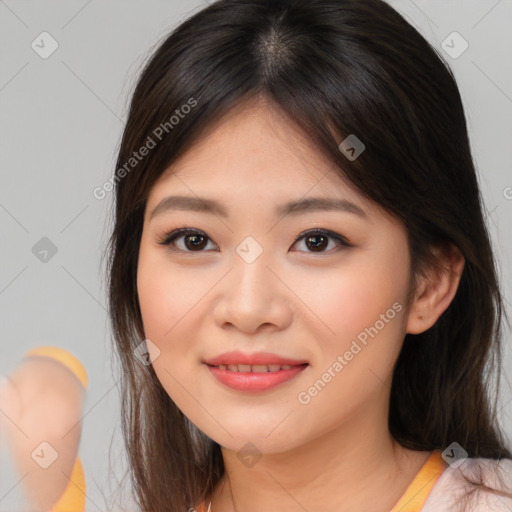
(154, 293)
(166, 294)
(345, 301)
(362, 312)
(168, 301)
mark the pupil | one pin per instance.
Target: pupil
(317, 245)
(194, 241)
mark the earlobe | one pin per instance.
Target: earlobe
(436, 290)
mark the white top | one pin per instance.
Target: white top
(451, 489)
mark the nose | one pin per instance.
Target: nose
(254, 297)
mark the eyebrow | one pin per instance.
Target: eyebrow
(298, 207)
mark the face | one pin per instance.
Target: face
(250, 278)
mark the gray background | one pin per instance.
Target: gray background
(61, 122)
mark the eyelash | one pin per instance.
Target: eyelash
(178, 233)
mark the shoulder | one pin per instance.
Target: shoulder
(455, 491)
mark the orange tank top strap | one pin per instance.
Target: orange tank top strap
(419, 489)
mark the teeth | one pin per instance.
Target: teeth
(255, 368)
(259, 368)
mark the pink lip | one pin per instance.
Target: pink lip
(237, 357)
(248, 381)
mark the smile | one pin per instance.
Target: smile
(244, 377)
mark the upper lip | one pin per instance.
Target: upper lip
(237, 357)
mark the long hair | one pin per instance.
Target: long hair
(335, 68)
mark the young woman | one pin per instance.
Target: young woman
(302, 289)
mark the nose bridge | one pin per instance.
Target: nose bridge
(253, 295)
(251, 274)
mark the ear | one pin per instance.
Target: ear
(435, 290)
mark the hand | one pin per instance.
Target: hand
(42, 402)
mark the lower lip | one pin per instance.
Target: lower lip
(248, 381)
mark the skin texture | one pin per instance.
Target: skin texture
(335, 452)
(43, 402)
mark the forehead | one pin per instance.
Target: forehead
(255, 153)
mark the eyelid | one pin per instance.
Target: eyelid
(177, 233)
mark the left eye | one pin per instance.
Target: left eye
(195, 240)
(318, 239)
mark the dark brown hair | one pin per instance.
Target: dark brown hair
(335, 68)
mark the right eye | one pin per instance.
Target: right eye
(194, 240)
